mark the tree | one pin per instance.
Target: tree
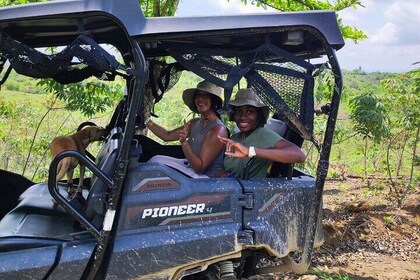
(158, 8)
(368, 116)
(402, 97)
(348, 32)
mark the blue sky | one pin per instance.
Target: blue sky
(391, 25)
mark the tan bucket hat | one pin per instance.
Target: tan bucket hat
(189, 94)
(247, 96)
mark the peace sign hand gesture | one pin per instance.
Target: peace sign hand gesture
(184, 133)
(234, 149)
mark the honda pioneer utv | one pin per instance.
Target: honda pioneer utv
(147, 220)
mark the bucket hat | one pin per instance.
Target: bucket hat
(247, 96)
(189, 94)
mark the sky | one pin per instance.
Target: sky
(392, 27)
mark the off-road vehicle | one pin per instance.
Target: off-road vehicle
(147, 220)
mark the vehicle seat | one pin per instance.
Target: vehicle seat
(277, 169)
(277, 126)
(106, 161)
(37, 215)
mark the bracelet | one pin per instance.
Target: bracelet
(251, 152)
(148, 121)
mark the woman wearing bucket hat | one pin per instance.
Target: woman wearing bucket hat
(199, 137)
(254, 147)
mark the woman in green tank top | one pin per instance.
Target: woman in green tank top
(254, 148)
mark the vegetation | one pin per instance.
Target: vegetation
(161, 8)
(359, 149)
(380, 116)
(349, 32)
(380, 110)
(29, 121)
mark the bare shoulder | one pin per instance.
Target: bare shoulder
(219, 130)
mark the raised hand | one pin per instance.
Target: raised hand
(234, 149)
(184, 133)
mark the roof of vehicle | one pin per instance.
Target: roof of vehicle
(58, 22)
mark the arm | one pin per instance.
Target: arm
(164, 134)
(210, 149)
(283, 151)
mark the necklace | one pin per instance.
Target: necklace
(203, 124)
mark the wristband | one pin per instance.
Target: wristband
(251, 152)
(148, 121)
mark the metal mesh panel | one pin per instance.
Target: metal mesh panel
(280, 79)
(215, 66)
(30, 62)
(289, 88)
(92, 60)
(162, 77)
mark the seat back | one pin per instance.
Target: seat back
(277, 126)
(106, 161)
(277, 169)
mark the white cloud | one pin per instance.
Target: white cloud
(405, 15)
(352, 16)
(218, 7)
(384, 58)
(404, 11)
(386, 35)
(391, 25)
(237, 7)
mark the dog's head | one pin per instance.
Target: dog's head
(94, 133)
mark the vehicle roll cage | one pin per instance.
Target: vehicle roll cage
(224, 67)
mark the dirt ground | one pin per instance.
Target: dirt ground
(366, 236)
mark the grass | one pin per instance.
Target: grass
(24, 139)
(327, 276)
(35, 100)
(346, 155)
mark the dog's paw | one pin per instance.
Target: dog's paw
(79, 197)
(71, 191)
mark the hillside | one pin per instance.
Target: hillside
(22, 102)
(366, 235)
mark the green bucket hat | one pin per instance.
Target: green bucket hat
(189, 94)
(247, 96)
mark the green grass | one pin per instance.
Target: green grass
(327, 276)
(24, 139)
(30, 106)
(35, 100)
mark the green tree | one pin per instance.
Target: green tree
(403, 98)
(87, 97)
(368, 116)
(158, 8)
(348, 32)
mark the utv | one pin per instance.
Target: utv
(147, 220)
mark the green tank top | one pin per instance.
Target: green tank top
(260, 138)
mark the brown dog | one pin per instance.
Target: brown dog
(77, 141)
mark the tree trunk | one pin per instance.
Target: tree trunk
(413, 159)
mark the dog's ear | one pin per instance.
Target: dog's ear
(88, 133)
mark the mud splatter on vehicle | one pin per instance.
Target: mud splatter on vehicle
(223, 227)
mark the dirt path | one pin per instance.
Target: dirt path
(366, 237)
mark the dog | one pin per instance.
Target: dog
(79, 142)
